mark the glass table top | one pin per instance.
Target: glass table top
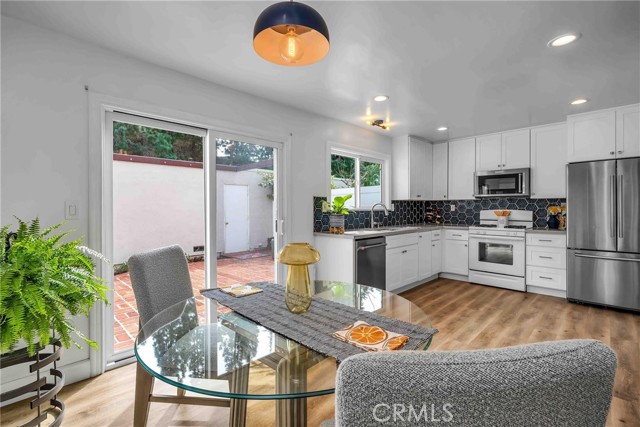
(233, 357)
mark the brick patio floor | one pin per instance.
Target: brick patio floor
(230, 271)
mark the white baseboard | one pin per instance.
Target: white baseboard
(546, 291)
(454, 277)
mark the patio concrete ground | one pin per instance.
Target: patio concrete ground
(229, 271)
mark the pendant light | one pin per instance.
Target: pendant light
(291, 34)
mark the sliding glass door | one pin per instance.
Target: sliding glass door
(157, 198)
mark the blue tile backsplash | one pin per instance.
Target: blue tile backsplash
(467, 212)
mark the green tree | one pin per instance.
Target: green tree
(236, 153)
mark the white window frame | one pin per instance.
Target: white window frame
(361, 154)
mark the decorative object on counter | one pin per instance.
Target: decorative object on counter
(553, 222)
(503, 218)
(562, 218)
(337, 213)
(298, 256)
(430, 216)
(439, 216)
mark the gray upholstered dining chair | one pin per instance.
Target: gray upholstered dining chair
(561, 383)
(160, 278)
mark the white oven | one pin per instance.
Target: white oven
(497, 254)
(497, 260)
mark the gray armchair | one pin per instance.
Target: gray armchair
(562, 383)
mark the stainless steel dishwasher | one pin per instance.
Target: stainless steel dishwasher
(371, 262)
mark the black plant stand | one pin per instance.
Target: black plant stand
(46, 385)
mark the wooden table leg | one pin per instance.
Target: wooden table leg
(144, 387)
(291, 377)
(238, 407)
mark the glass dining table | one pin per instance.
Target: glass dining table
(235, 359)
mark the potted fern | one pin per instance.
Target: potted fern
(337, 211)
(44, 281)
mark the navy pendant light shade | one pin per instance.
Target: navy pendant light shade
(291, 33)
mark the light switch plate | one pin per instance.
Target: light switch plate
(71, 209)
(453, 207)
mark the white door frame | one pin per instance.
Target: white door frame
(100, 196)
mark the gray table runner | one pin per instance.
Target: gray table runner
(314, 329)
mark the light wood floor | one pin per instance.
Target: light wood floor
(468, 317)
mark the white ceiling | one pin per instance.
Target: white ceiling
(475, 67)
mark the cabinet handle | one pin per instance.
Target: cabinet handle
(465, 245)
(545, 277)
(545, 257)
(433, 246)
(404, 252)
(545, 240)
(418, 195)
(612, 152)
(457, 235)
(619, 151)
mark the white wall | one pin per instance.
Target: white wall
(156, 206)
(45, 147)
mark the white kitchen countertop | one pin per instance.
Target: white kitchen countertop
(417, 228)
(400, 229)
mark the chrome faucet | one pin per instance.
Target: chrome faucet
(386, 213)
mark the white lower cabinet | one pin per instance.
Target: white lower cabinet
(456, 252)
(394, 268)
(547, 264)
(402, 266)
(436, 256)
(424, 255)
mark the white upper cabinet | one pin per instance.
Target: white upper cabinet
(440, 166)
(507, 150)
(515, 149)
(489, 152)
(462, 167)
(548, 162)
(412, 168)
(591, 136)
(628, 131)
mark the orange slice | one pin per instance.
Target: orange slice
(395, 343)
(367, 334)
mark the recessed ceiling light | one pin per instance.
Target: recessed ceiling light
(380, 98)
(442, 128)
(563, 40)
(579, 101)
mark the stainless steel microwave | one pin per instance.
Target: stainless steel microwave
(502, 183)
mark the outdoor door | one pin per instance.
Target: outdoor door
(236, 218)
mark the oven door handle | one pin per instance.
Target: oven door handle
(486, 238)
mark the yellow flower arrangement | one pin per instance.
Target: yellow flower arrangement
(554, 210)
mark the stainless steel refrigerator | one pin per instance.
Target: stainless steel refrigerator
(603, 229)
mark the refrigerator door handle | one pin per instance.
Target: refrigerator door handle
(608, 258)
(612, 182)
(620, 204)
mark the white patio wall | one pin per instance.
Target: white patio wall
(159, 205)
(368, 195)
